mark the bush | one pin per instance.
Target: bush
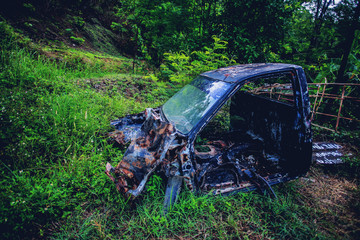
(181, 67)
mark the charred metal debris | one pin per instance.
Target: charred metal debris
(267, 140)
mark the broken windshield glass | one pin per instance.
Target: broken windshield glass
(192, 102)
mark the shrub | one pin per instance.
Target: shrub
(181, 67)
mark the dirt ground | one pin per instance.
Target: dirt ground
(336, 199)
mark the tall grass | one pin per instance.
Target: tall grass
(241, 216)
(53, 138)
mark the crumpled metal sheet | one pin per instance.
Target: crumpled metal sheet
(147, 150)
(127, 127)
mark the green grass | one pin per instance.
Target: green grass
(242, 216)
(75, 57)
(54, 148)
(53, 138)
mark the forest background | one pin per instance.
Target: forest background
(69, 67)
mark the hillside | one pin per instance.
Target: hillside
(73, 24)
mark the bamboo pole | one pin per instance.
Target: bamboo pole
(341, 103)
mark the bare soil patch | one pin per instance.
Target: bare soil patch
(336, 200)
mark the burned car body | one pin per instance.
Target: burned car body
(265, 140)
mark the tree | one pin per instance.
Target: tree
(161, 26)
(321, 12)
(348, 14)
(255, 28)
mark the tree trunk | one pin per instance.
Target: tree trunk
(349, 39)
(348, 45)
(320, 13)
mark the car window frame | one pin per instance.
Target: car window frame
(237, 86)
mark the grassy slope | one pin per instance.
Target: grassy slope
(55, 113)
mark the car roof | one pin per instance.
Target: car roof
(239, 73)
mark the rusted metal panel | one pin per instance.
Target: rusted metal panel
(147, 150)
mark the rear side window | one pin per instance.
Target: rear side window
(276, 87)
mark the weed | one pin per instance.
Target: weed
(29, 6)
(155, 185)
(77, 21)
(77, 40)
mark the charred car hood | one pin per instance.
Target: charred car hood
(150, 141)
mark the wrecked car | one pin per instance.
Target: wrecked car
(229, 130)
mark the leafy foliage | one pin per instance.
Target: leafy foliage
(254, 29)
(181, 68)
